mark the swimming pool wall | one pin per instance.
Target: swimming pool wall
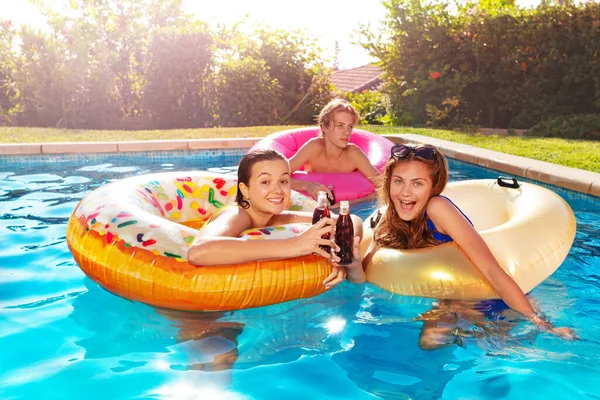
(582, 181)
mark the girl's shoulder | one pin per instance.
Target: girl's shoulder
(439, 204)
(441, 208)
(231, 213)
(227, 221)
(438, 200)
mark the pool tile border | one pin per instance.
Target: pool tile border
(569, 178)
(118, 147)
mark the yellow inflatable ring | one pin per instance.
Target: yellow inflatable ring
(132, 236)
(529, 230)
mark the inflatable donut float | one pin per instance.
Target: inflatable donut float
(131, 237)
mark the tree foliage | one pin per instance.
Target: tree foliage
(7, 71)
(291, 59)
(490, 63)
(247, 94)
(178, 93)
(145, 63)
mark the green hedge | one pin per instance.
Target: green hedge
(490, 63)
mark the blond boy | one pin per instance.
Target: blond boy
(331, 150)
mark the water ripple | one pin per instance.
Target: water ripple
(50, 300)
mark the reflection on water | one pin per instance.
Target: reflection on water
(62, 336)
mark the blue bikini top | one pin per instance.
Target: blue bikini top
(442, 237)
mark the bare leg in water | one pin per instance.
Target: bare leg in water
(450, 321)
(196, 327)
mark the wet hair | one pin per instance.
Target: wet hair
(245, 169)
(392, 231)
(325, 117)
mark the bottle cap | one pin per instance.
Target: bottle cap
(322, 199)
(344, 207)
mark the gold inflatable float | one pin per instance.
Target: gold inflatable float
(529, 229)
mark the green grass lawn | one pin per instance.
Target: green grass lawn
(583, 154)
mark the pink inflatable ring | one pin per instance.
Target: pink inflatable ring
(348, 186)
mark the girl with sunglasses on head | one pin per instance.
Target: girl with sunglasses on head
(416, 216)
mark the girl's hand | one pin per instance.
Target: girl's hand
(356, 273)
(308, 242)
(338, 274)
(562, 332)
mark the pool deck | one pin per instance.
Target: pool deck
(569, 178)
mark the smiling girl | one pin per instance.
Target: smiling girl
(417, 216)
(263, 194)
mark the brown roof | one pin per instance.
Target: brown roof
(357, 79)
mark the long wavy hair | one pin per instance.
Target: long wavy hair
(392, 231)
(245, 170)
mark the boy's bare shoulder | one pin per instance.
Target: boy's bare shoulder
(315, 142)
(355, 151)
(313, 145)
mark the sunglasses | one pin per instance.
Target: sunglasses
(400, 151)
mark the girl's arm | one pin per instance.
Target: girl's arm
(450, 221)
(218, 244)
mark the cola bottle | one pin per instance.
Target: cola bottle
(322, 211)
(331, 199)
(344, 234)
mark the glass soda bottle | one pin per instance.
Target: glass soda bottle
(344, 234)
(331, 188)
(322, 211)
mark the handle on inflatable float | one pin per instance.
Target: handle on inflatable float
(502, 182)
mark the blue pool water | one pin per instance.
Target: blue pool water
(61, 336)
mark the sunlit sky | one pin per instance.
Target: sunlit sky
(327, 20)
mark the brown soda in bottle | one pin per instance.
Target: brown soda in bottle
(344, 234)
(331, 199)
(322, 211)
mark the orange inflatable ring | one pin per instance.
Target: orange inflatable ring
(132, 236)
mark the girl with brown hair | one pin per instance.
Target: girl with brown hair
(415, 216)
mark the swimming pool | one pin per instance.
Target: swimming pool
(61, 336)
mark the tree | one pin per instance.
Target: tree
(246, 93)
(7, 69)
(290, 58)
(178, 92)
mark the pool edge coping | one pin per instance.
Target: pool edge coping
(578, 180)
(570, 178)
(15, 149)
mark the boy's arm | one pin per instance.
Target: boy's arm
(363, 164)
(306, 152)
(303, 155)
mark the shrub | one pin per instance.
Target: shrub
(246, 94)
(580, 126)
(509, 67)
(370, 105)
